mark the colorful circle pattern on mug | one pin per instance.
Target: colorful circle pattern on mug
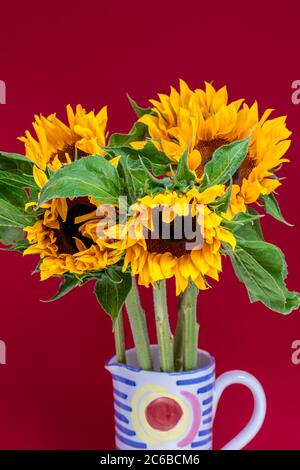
(156, 414)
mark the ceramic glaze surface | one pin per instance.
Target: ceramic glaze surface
(155, 410)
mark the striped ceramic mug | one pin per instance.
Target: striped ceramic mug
(161, 411)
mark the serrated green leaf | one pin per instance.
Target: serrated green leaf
(20, 245)
(138, 179)
(11, 216)
(137, 133)
(272, 208)
(262, 268)
(12, 187)
(17, 179)
(111, 293)
(68, 283)
(221, 204)
(184, 175)
(154, 184)
(12, 221)
(138, 110)
(155, 156)
(90, 176)
(134, 176)
(246, 225)
(14, 195)
(224, 163)
(15, 161)
(155, 160)
(11, 236)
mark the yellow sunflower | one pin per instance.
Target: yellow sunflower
(204, 120)
(57, 143)
(67, 238)
(158, 245)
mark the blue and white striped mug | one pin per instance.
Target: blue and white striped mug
(161, 411)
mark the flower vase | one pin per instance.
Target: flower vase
(175, 411)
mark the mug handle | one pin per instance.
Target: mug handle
(259, 412)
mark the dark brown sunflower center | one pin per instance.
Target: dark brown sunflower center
(71, 150)
(177, 237)
(208, 147)
(176, 248)
(68, 229)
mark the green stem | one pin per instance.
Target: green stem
(163, 331)
(188, 308)
(138, 325)
(119, 339)
(178, 339)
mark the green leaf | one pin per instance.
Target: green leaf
(155, 160)
(68, 283)
(134, 176)
(151, 152)
(139, 111)
(111, 291)
(90, 176)
(12, 221)
(272, 208)
(262, 268)
(14, 195)
(153, 183)
(12, 187)
(245, 225)
(137, 133)
(221, 205)
(11, 216)
(15, 161)
(20, 245)
(138, 179)
(251, 230)
(15, 176)
(224, 163)
(17, 179)
(11, 236)
(184, 175)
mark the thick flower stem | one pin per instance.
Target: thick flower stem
(188, 310)
(178, 339)
(163, 331)
(119, 339)
(138, 326)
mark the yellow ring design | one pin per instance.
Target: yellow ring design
(144, 431)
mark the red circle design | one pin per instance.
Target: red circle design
(163, 413)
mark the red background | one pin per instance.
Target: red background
(54, 392)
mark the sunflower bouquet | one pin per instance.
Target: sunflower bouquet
(184, 188)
